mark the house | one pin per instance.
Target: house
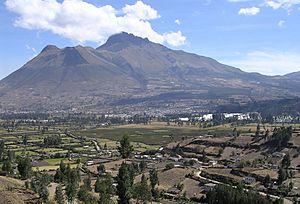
(249, 180)
(184, 119)
(213, 163)
(89, 163)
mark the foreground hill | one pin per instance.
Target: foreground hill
(132, 73)
(13, 191)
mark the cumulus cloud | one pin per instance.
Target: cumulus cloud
(81, 21)
(252, 11)
(268, 62)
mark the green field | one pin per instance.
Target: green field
(160, 133)
(154, 134)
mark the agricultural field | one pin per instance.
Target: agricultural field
(225, 153)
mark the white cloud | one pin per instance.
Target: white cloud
(175, 39)
(252, 11)
(140, 11)
(268, 62)
(281, 23)
(81, 21)
(285, 4)
(177, 21)
(274, 4)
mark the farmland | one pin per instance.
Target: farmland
(187, 156)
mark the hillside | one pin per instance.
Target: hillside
(129, 73)
(13, 191)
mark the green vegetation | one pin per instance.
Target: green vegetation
(59, 196)
(281, 137)
(142, 191)
(24, 167)
(229, 195)
(125, 181)
(125, 148)
(105, 189)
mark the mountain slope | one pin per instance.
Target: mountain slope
(132, 73)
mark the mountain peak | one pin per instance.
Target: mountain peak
(121, 40)
(50, 48)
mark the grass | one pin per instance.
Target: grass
(157, 133)
(56, 161)
(29, 153)
(50, 167)
(154, 134)
(51, 150)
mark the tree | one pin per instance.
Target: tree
(142, 191)
(101, 169)
(153, 182)
(7, 166)
(267, 180)
(286, 161)
(24, 167)
(124, 184)
(44, 194)
(61, 173)
(282, 175)
(85, 196)
(257, 133)
(153, 178)
(142, 165)
(25, 139)
(71, 191)
(98, 185)
(2, 146)
(72, 179)
(59, 196)
(228, 195)
(125, 148)
(105, 189)
(87, 183)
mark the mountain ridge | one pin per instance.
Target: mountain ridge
(133, 69)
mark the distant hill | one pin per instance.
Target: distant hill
(129, 73)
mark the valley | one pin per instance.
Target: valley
(189, 158)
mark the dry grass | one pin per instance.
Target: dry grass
(172, 177)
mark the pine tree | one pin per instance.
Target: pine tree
(142, 190)
(125, 182)
(44, 194)
(286, 161)
(59, 196)
(106, 190)
(98, 185)
(282, 175)
(87, 183)
(2, 146)
(71, 191)
(125, 148)
(101, 169)
(24, 167)
(153, 182)
(7, 166)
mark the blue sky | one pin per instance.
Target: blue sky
(254, 35)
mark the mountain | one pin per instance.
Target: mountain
(129, 73)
